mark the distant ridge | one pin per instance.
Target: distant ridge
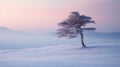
(102, 35)
(91, 34)
(4, 29)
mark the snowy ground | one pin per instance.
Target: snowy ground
(96, 55)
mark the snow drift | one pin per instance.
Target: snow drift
(97, 55)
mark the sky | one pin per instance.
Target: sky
(45, 14)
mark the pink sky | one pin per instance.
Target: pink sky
(45, 14)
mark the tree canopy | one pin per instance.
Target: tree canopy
(74, 26)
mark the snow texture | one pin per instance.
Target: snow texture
(95, 55)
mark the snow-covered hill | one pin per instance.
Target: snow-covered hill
(16, 50)
(96, 55)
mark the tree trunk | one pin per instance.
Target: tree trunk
(82, 39)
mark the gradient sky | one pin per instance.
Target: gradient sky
(45, 14)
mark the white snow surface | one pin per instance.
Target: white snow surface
(95, 55)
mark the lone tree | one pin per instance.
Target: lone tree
(74, 26)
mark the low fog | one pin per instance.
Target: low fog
(10, 39)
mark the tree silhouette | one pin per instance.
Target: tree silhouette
(74, 26)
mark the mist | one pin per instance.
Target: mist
(10, 39)
(20, 40)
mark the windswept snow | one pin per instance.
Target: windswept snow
(96, 55)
